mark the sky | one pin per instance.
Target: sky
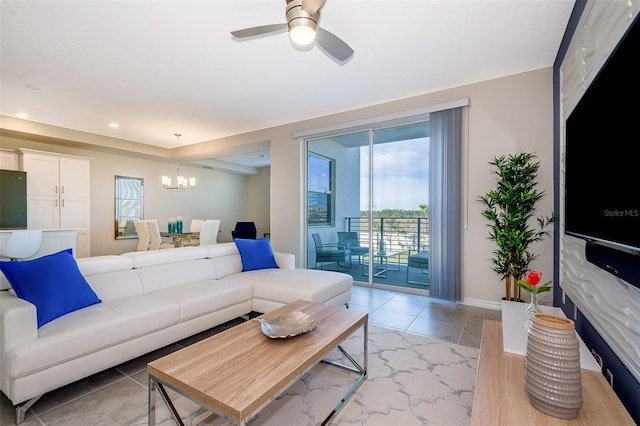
(400, 175)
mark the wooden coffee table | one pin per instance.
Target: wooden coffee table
(237, 372)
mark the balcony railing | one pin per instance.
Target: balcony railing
(398, 234)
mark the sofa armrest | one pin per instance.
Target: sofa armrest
(285, 260)
(18, 322)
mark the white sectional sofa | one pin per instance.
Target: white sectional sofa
(148, 300)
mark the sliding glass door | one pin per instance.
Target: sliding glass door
(367, 202)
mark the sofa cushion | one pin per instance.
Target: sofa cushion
(221, 250)
(143, 259)
(115, 285)
(90, 330)
(203, 297)
(52, 283)
(111, 276)
(256, 254)
(96, 265)
(160, 277)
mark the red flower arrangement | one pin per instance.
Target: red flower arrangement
(531, 281)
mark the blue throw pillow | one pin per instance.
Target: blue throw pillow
(256, 254)
(53, 283)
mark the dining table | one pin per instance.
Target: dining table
(182, 239)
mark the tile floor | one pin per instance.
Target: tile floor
(422, 315)
(117, 397)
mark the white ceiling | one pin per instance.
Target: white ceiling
(161, 67)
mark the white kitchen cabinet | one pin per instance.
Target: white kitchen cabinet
(58, 194)
(9, 159)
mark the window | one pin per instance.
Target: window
(320, 190)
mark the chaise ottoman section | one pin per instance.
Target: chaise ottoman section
(273, 288)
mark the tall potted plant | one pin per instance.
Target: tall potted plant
(510, 208)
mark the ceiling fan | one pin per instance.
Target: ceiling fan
(303, 17)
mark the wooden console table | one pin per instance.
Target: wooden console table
(500, 398)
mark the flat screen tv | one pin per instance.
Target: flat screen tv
(602, 169)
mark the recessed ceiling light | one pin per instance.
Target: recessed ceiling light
(114, 125)
(264, 156)
(22, 115)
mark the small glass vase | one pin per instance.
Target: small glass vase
(533, 307)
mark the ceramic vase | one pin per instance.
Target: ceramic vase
(179, 224)
(552, 375)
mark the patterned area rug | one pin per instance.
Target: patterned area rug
(412, 380)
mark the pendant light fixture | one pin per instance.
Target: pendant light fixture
(181, 181)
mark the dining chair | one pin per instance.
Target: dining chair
(155, 240)
(244, 230)
(209, 231)
(195, 225)
(143, 235)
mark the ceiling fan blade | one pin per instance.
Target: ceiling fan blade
(312, 6)
(333, 45)
(261, 30)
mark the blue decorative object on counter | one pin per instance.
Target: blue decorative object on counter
(179, 224)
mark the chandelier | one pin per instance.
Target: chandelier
(181, 181)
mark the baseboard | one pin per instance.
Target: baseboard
(496, 306)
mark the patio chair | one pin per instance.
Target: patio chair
(324, 254)
(349, 241)
(418, 260)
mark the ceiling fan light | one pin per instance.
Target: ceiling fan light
(302, 35)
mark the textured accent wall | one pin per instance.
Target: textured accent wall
(610, 304)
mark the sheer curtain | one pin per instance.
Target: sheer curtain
(445, 204)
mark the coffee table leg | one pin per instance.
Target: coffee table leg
(153, 385)
(366, 347)
(358, 369)
(151, 415)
